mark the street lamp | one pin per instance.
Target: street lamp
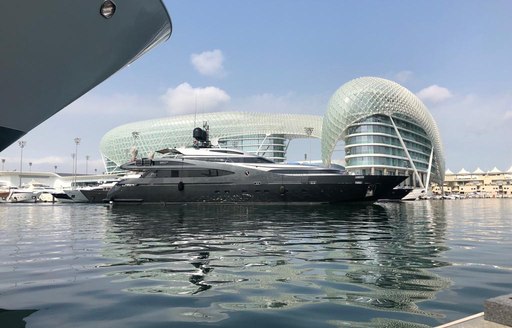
(30, 166)
(22, 144)
(309, 132)
(77, 142)
(3, 163)
(86, 163)
(55, 168)
(74, 176)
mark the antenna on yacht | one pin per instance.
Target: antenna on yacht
(202, 136)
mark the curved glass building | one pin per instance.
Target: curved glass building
(264, 134)
(386, 130)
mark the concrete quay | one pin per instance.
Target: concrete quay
(497, 314)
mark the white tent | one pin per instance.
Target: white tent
(478, 171)
(448, 172)
(495, 171)
(463, 171)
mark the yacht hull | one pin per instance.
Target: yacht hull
(333, 190)
(54, 51)
(95, 195)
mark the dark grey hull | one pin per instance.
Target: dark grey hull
(346, 189)
(95, 196)
(203, 193)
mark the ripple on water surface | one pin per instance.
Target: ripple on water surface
(358, 265)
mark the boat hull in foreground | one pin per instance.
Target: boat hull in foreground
(54, 51)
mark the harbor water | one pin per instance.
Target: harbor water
(417, 264)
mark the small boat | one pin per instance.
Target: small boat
(13, 194)
(40, 191)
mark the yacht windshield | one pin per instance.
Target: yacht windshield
(232, 159)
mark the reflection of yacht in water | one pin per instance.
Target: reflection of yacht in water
(55, 51)
(212, 175)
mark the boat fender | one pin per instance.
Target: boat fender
(282, 190)
(181, 186)
(14, 199)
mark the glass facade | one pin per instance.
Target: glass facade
(271, 146)
(386, 130)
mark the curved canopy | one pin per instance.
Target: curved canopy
(152, 135)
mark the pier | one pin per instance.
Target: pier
(497, 314)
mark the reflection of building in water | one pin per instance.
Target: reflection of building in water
(282, 257)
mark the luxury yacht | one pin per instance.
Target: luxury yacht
(204, 174)
(54, 51)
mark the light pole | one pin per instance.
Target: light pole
(30, 166)
(77, 142)
(22, 144)
(86, 163)
(309, 132)
(55, 168)
(133, 150)
(74, 176)
(3, 163)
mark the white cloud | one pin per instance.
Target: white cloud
(184, 99)
(508, 115)
(290, 102)
(209, 63)
(434, 94)
(472, 128)
(403, 76)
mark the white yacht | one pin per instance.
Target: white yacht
(54, 51)
(13, 194)
(40, 191)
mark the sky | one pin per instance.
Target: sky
(290, 56)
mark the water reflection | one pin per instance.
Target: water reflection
(373, 256)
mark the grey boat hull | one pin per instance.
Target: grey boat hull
(54, 51)
(335, 190)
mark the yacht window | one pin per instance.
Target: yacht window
(165, 174)
(305, 171)
(232, 159)
(204, 173)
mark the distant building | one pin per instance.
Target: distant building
(478, 183)
(386, 130)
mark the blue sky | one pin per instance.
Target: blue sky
(290, 56)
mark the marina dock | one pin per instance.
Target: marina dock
(473, 321)
(497, 314)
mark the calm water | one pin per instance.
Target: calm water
(412, 264)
